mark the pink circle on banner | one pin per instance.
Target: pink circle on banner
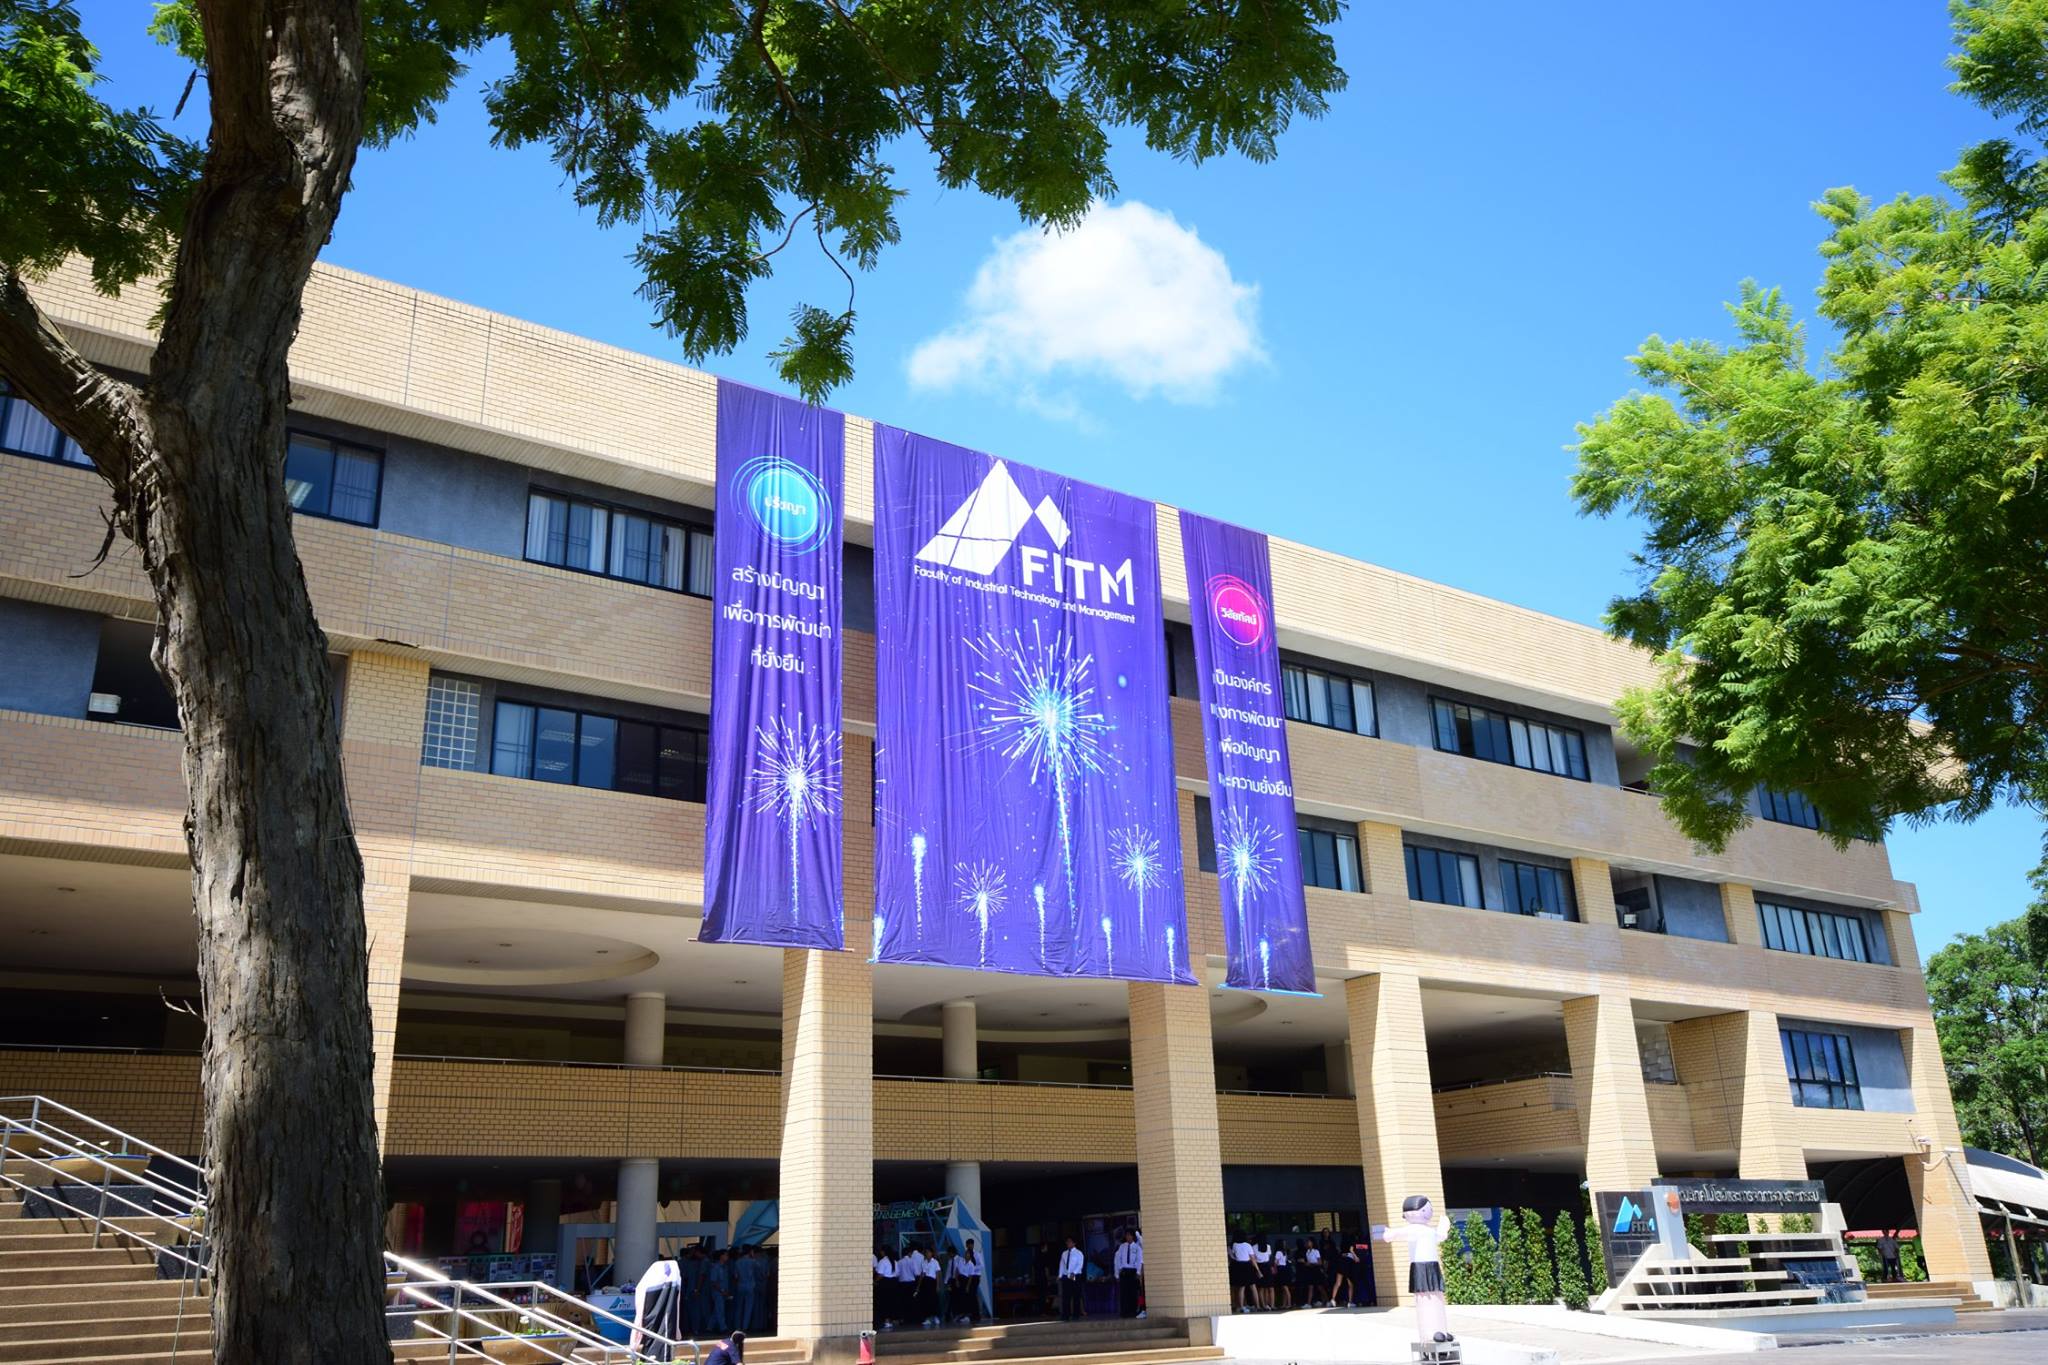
(1237, 608)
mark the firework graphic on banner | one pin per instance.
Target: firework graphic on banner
(796, 779)
(1037, 706)
(917, 852)
(1135, 853)
(979, 887)
(1247, 853)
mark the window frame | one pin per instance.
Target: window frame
(1412, 867)
(699, 769)
(1807, 932)
(1305, 837)
(1510, 879)
(337, 444)
(691, 531)
(63, 443)
(1508, 720)
(1831, 1069)
(1783, 808)
(1329, 676)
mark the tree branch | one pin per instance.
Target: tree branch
(103, 414)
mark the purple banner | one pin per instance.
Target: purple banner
(1244, 729)
(1026, 818)
(771, 833)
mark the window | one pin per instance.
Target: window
(1477, 732)
(558, 744)
(1787, 808)
(1329, 859)
(125, 684)
(25, 431)
(573, 533)
(1822, 1069)
(1446, 878)
(454, 706)
(1318, 698)
(327, 478)
(1817, 933)
(1534, 890)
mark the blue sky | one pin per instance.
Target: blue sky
(1393, 328)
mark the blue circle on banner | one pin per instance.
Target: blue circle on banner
(786, 502)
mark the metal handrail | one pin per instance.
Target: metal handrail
(423, 1280)
(1502, 1080)
(134, 1143)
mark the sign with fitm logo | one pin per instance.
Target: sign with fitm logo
(1026, 818)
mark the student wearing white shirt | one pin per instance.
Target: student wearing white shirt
(1262, 1256)
(1130, 1264)
(928, 1288)
(885, 1290)
(1311, 1274)
(967, 1283)
(1073, 1277)
(1244, 1274)
(1283, 1277)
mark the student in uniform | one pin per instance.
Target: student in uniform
(730, 1350)
(718, 1293)
(1244, 1273)
(928, 1289)
(885, 1289)
(695, 1272)
(1283, 1279)
(1073, 1280)
(1262, 1257)
(1129, 1266)
(1312, 1267)
(967, 1283)
(746, 1289)
(909, 1262)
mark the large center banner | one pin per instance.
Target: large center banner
(771, 836)
(1244, 728)
(1025, 811)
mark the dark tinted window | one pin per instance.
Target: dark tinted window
(328, 478)
(1479, 732)
(1443, 877)
(1531, 889)
(1822, 1069)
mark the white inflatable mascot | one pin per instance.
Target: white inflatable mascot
(1424, 1230)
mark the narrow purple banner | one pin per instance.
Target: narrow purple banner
(1026, 816)
(1244, 728)
(771, 834)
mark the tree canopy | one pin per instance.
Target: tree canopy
(1844, 566)
(1989, 992)
(721, 131)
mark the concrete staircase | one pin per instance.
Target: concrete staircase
(1097, 1341)
(1965, 1294)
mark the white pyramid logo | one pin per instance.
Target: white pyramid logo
(983, 528)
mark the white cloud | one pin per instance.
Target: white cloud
(1129, 295)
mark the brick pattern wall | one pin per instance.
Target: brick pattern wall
(1607, 1082)
(827, 1177)
(1180, 1163)
(1537, 1115)
(1396, 1111)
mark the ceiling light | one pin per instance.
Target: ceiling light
(473, 961)
(739, 981)
(504, 945)
(67, 888)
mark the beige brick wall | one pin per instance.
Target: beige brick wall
(1951, 1232)
(1179, 1148)
(827, 1175)
(1396, 1110)
(1607, 1083)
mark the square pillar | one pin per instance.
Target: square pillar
(1738, 908)
(1898, 933)
(828, 1151)
(384, 712)
(1607, 1076)
(1594, 881)
(1396, 1110)
(1386, 871)
(1951, 1229)
(1180, 1156)
(1768, 1146)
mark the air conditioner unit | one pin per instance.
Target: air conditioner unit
(1631, 920)
(103, 704)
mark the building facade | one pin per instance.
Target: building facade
(1529, 981)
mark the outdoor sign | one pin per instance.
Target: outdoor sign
(1628, 1228)
(1244, 729)
(771, 830)
(1749, 1196)
(1633, 1221)
(1026, 818)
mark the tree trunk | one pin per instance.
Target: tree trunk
(295, 1194)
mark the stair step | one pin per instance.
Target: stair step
(61, 1327)
(113, 1271)
(1158, 1355)
(144, 1288)
(159, 1344)
(114, 1169)
(22, 1317)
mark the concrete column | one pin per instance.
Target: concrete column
(1337, 1068)
(543, 1216)
(1951, 1231)
(1738, 908)
(958, 1055)
(646, 1027)
(1396, 1110)
(1594, 882)
(960, 1060)
(1768, 1146)
(825, 1293)
(1614, 1108)
(384, 710)
(633, 1235)
(1180, 1152)
(635, 1241)
(1898, 933)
